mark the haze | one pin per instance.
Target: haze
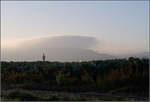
(73, 30)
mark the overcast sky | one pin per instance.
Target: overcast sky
(119, 26)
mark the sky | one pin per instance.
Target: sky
(120, 27)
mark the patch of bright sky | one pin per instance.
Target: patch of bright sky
(120, 26)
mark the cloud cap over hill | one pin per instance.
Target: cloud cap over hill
(84, 42)
(58, 48)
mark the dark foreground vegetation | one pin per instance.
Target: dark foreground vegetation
(117, 76)
(28, 95)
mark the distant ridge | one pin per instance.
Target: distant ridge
(61, 48)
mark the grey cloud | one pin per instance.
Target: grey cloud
(62, 41)
(60, 48)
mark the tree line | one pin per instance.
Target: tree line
(117, 75)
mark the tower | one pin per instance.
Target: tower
(44, 57)
(44, 66)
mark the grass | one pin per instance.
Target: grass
(20, 95)
(130, 90)
(24, 95)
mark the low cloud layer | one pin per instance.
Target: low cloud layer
(62, 42)
(58, 48)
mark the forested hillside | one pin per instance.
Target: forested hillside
(113, 76)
